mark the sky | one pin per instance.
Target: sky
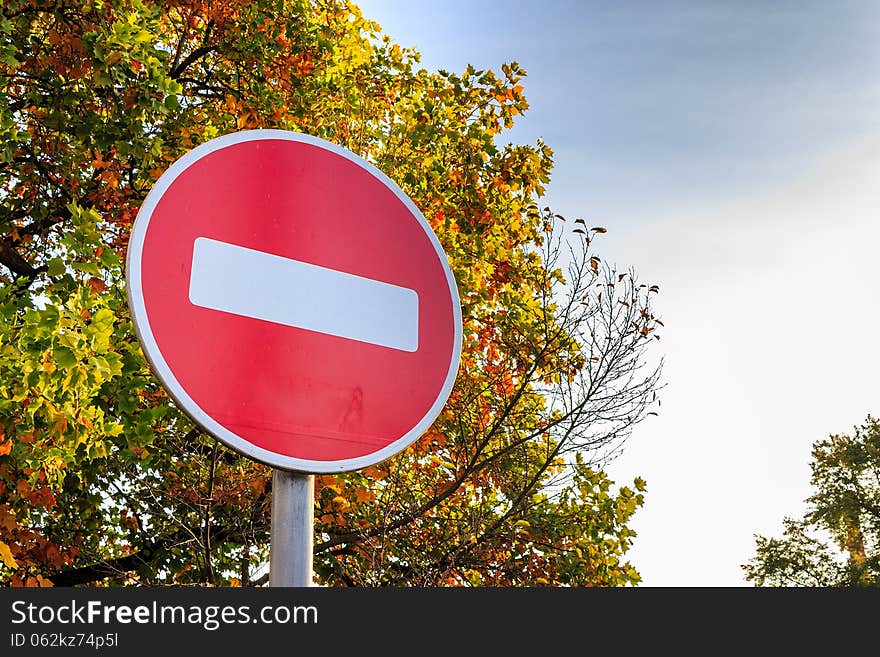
(732, 150)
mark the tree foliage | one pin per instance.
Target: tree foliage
(837, 542)
(103, 480)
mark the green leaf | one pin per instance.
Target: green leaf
(64, 357)
(55, 267)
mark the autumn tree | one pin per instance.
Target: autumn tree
(103, 480)
(837, 542)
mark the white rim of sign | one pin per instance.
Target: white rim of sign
(166, 376)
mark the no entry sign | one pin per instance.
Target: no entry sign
(294, 301)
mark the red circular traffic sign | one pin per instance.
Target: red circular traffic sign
(294, 301)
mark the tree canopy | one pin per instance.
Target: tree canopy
(104, 480)
(837, 542)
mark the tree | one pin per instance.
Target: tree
(837, 542)
(103, 480)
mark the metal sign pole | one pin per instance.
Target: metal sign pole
(293, 516)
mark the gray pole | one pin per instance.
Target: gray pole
(293, 516)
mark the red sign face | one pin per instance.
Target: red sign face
(294, 302)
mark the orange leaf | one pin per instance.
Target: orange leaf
(374, 472)
(257, 485)
(364, 495)
(5, 447)
(7, 520)
(53, 556)
(111, 178)
(303, 63)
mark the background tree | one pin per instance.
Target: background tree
(103, 480)
(837, 542)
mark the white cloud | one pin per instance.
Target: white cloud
(771, 314)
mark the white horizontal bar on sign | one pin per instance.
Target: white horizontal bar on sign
(250, 283)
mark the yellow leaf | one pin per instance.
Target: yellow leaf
(6, 556)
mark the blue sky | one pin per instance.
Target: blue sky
(718, 97)
(732, 150)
